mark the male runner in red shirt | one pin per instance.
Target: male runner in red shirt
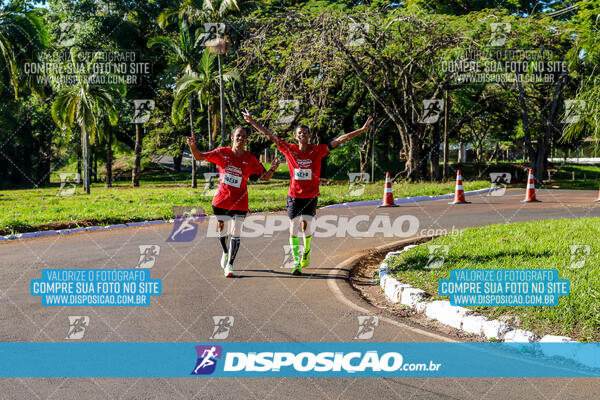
(304, 162)
(230, 202)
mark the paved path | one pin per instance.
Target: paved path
(267, 303)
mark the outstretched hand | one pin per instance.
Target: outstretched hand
(191, 140)
(247, 117)
(367, 124)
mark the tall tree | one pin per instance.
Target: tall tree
(84, 105)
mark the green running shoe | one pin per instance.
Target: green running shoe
(305, 259)
(297, 270)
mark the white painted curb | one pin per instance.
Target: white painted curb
(457, 317)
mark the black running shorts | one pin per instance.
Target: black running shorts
(297, 206)
(223, 214)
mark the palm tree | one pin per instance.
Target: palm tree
(216, 11)
(22, 37)
(202, 86)
(184, 51)
(86, 105)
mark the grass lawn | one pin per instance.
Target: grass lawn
(531, 245)
(39, 209)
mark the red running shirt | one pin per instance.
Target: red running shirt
(305, 168)
(233, 176)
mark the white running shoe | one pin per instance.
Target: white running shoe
(224, 259)
(228, 271)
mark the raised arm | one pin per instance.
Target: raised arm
(191, 141)
(348, 136)
(248, 118)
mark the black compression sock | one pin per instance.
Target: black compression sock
(223, 241)
(234, 245)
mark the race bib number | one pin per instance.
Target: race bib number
(302, 174)
(232, 180)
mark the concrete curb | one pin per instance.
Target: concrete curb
(37, 234)
(454, 316)
(470, 322)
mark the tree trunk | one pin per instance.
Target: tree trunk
(177, 159)
(222, 97)
(86, 161)
(135, 173)
(95, 164)
(435, 153)
(194, 177)
(109, 158)
(544, 144)
(446, 112)
(414, 160)
(526, 132)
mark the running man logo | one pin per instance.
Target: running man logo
(148, 254)
(142, 110)
(356, 185)
(207, 359)
(288, 256)
(437, 256)
(184, 230)
(356, 34)
(579, 254)
(211, 184)
(366, 327)
(432, 108)
(573, 111)
(68, 33)
(288, 109)
(499, 182)
(223, 324)
(499, 33)
(77, 326)
(68, 183)
(213, 32)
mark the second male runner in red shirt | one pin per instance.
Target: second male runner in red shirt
(304, 162)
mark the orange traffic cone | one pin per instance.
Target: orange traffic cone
(530, 190)
(459, 193)
(388, 197)
(598, 199)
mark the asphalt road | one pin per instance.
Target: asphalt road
(267, 303)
